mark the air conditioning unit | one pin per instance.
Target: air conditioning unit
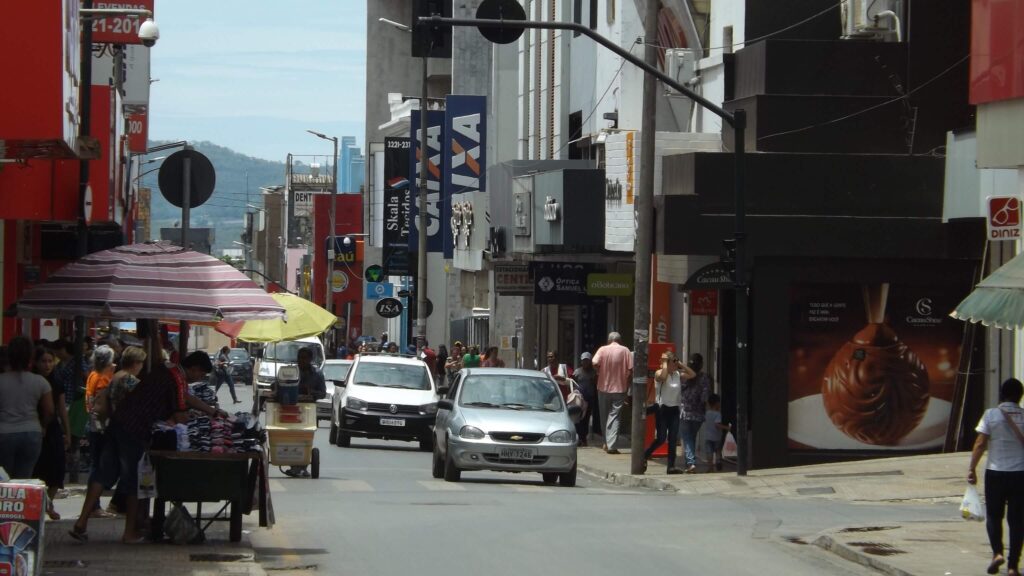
(879, 20)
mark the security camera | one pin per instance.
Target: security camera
(149, 33)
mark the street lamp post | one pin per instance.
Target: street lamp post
(738, 120)
(328, 300)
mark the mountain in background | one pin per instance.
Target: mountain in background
(239, 178)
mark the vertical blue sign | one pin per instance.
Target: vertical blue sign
(465, 157)
(438, 210)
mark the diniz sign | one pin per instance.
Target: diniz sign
(464, 161)
(1004, 218)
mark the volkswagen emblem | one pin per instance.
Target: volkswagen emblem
(393, 409)
(515, 437)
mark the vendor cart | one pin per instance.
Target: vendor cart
(290, 429)
(238, 480)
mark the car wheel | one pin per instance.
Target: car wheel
(344, 440)
(437, 470)
(426, 443)
(451, 471)
(333, 437)
(549, 477)
(568, 479)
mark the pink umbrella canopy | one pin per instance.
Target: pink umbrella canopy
(151, 280)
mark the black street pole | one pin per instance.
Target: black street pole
(738, 122)
(82, 228)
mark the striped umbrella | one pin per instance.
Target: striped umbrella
(151, 280)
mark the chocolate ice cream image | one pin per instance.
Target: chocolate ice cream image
(875, 389)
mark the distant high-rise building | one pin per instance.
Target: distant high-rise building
(356, 172)
(346, 150)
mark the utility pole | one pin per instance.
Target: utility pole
(421, 226)
(644, 217)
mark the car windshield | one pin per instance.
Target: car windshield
(512, 392)
(288, 352)
(392, 375)
(238, 356)
(334, 371)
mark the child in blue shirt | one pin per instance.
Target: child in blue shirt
(713, 431)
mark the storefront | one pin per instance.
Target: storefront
(853, 279)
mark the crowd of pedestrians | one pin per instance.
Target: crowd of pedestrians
(50, 409)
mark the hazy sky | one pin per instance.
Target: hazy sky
(253, 75)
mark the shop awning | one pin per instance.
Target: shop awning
(998, 300)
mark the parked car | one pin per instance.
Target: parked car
(240, 365)
(506, 420)
(335, 372)
(385, 396)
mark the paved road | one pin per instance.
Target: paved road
(377, 510)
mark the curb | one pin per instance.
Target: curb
(628, 480)
(827, 542)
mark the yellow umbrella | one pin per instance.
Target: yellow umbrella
(304, 319)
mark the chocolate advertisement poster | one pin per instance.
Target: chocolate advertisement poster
(872, 366)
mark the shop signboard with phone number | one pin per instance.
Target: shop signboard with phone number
(119, 28)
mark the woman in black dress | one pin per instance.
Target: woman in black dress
(51, 466)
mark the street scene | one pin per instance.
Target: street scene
(511, 286)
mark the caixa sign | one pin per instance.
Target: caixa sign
(1004, 218)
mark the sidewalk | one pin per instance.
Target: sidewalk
(105, 555)
(913, 548)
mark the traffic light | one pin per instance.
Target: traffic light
(432, 41)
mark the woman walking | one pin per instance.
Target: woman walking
(51, 466)
(223, 373)
(491, 359)
(26, 408)
(999, 432)
(668, 396)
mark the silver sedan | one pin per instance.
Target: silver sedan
(504, 420)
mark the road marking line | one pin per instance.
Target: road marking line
(276, 486)
(441, 486)
(351, 486)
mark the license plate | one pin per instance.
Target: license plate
(515, 454)
(392, 422)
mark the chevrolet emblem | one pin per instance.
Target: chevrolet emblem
(515, 437)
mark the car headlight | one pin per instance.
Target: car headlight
(355, 404)
(561, 437)
(265, 379)
(429, 408)
(471, 433)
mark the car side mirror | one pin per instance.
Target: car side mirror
(339, 383)
(445, 404)
(443, 390)
(575, 410)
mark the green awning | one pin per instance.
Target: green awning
(998, 300)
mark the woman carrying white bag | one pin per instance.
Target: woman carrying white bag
(999, 432)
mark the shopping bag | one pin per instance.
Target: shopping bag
(147, 478)
(180, 526)
(729, 447)
(971, 507)
(575, 398)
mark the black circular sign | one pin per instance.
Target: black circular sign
(389, 308)
(500, 10)
(203, 178)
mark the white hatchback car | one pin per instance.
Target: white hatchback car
(385, 396)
